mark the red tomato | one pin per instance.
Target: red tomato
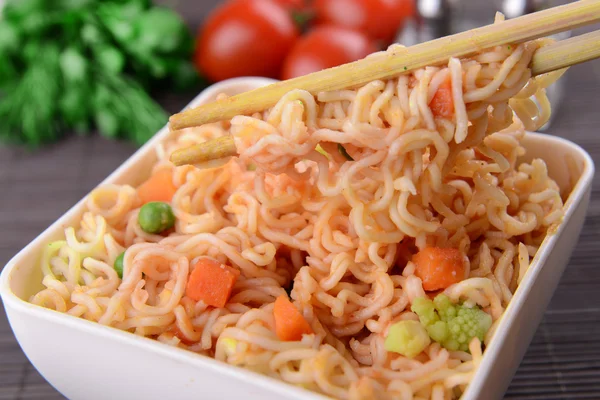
(294, 5)
(326, 47)
(380, 19)
(245, 38)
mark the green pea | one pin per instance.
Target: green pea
(156, 217)
(118, 266)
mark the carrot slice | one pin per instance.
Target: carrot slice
(442, 103)
(159, 187)
(290, 325)
(211, 282)
(439, 268)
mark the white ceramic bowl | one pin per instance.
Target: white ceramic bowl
(85, 360)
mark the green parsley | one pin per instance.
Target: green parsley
(88, 64)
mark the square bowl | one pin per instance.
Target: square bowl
(86, 360)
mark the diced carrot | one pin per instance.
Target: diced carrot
(442, 103)
(290, 325)
(439, 268)
(211, 282)
(159, 187)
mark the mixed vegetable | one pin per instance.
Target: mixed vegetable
(156, 217)
(290, 324)
(439, 268)
(451, 325)
(118, 265)
(211, 282)
(408, 338)
(159, 187)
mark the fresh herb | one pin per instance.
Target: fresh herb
(84, 64)
(343, 152)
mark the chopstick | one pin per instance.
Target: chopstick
(549, 58)
(566, 53)
(517, 30)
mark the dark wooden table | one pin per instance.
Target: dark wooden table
(563, 361)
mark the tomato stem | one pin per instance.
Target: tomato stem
(302, 19)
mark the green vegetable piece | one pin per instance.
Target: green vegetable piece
(451, 325)
(425, 309)
(156, 217)
(408, 338)
(118, 265)
(321, 150)
(343, 152)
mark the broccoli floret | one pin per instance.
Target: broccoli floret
(408, 338)
(451, 325)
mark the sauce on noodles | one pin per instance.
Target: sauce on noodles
(340, 234)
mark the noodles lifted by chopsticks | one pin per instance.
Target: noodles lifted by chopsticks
(331, 195)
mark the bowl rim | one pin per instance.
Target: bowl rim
(11, 300)
(517, 302)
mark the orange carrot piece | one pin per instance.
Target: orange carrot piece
(442, 103)
(439, 268)
(290, 325)
(211, 282)
(159, 187)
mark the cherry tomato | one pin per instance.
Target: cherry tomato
(325, 47)
(380, 19)
(294, 5)
(245, 38)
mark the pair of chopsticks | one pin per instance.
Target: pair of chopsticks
(559, 55)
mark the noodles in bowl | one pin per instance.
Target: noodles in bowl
(363, 204)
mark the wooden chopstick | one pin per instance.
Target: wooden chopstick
(385, 66)
(566, 53)
(549, 58)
